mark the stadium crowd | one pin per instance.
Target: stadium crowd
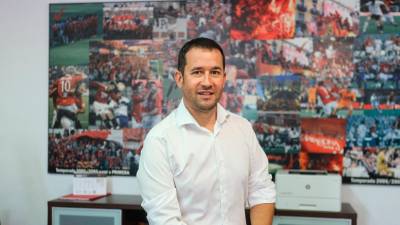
(73, 29)
(67, 152)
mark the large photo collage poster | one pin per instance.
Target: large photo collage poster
(318, 79)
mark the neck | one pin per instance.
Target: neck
(206, 118)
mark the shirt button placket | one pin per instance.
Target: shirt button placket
(221, 178)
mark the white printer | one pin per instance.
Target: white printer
(308, 190)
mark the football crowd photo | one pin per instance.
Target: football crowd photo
(318, 79)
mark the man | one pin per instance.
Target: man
(137, 104)
(66, 93)
(388, 15)
(391, 100)
(375, 8)
(327, 98)
(201, 165)
(152, 106)
(100, 104)
(312, 97)
(374, 100)
(119, 105)
(346, 100)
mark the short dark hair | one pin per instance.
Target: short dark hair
(200, 42)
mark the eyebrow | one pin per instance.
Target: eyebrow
(216, 68)
(201, 68)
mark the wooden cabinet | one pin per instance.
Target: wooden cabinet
(126, 210)
(347, 216)
(128, 206)
(86, 216)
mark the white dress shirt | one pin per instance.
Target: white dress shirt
(189, 175)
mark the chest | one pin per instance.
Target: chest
(202, 159)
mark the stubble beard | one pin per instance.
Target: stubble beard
(200, 106)
(206, 107)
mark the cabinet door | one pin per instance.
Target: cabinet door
(85, 216)
(294, 220)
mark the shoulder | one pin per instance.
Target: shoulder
(164, 127)
(239, 121)
(155, 143)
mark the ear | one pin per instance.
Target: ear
(178, 78)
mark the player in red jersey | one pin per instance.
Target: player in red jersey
(100, 104)
(152, 106)
(346, 100)
(66, 93)
(327, 99)
(137, 104)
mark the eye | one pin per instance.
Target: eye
(215, 73)
(196, 73)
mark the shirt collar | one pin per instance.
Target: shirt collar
(184, 117)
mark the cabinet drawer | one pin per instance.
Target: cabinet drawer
(297, 220)
(85, 216)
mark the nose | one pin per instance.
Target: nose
(206, 81)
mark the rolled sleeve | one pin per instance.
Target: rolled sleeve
(156, 185)
(261, 189)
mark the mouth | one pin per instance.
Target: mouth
(205, 93)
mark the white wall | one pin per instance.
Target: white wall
(25, 186)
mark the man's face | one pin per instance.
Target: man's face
(203, 80)
(116, 95)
